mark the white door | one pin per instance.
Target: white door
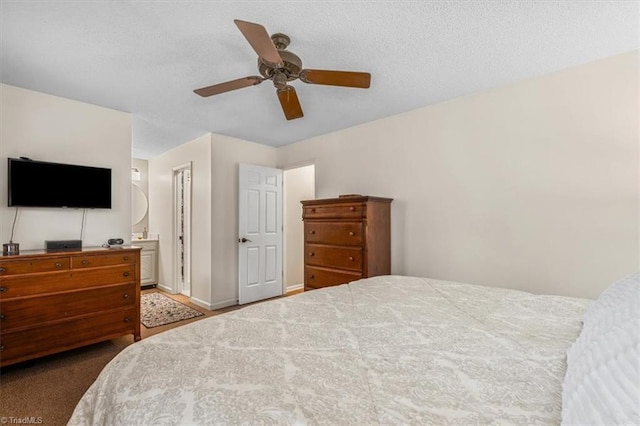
(259, 233)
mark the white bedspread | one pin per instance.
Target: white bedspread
(385, 350)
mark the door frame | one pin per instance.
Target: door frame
(296, 165)
(182, 286)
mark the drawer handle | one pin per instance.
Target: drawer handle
(126, 258)
(3, 269)
(351, 258)
(312, 232)
(126, 319)
(1, 348)
(126, 295)
(351, 233)
(125, 274)
(85, 262)
(353, 209)
(58, 265)
(313, 210)
(311, 253)
(311, 276)
(1, 316)
(3, 289)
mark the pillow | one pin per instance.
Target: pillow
(602, 382)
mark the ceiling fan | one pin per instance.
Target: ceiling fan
(281, 66)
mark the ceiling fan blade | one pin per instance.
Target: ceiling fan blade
(228, 86)
(337, 78)
(259, 39)
(290, 103)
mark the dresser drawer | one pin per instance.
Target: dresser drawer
(324, 277)
(91, 261)
(29, 311)
(338, 233)
(26, 344)
(340, 211)
(9, 267)
(334, 257)
(34, 284)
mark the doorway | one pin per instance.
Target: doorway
(182, 226)
(299, 184)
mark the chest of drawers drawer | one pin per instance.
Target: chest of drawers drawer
(94, 260)
(317, 277)
(8, 268)
(338, 233)
(42, 340)
(334, 257)
(343, 211)
(29, 311)
(33, 284)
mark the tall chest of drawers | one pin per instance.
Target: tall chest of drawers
(345, 239)
(52, 302)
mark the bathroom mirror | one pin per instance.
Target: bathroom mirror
(139, 204)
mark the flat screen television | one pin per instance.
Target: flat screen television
(42, 184)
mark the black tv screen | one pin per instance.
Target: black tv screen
(43, 184)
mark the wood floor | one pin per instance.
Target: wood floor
(146, 332)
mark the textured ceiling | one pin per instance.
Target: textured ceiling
(146, 57)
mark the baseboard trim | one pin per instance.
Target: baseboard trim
(200, 303)
(294, 287)
(167, 289)
(213, 306)
(224, 304)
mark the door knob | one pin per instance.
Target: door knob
(244, 240)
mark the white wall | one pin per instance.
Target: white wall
(49, 128)
(161, 214)
(533, 186)
(226, 154)
(299, 184)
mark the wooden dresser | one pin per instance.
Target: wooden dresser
(345, 239)
(54, 301)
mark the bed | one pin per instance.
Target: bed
(383, 350)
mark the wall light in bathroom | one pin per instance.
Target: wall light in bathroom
(135, 174)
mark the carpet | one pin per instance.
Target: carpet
(157, 309)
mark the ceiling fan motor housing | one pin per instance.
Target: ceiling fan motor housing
(291, 63)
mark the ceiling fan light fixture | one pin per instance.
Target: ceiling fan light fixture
(279, 79)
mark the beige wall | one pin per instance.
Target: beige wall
(161, 214)
(533, 186)
(226, 154)
(49, 128)
(143, 184)
(299, 184)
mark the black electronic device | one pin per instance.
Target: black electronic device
(62, 245)
(115, 241)
(44, 184)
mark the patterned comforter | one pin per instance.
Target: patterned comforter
(384, 350)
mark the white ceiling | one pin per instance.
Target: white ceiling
(146, 57)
